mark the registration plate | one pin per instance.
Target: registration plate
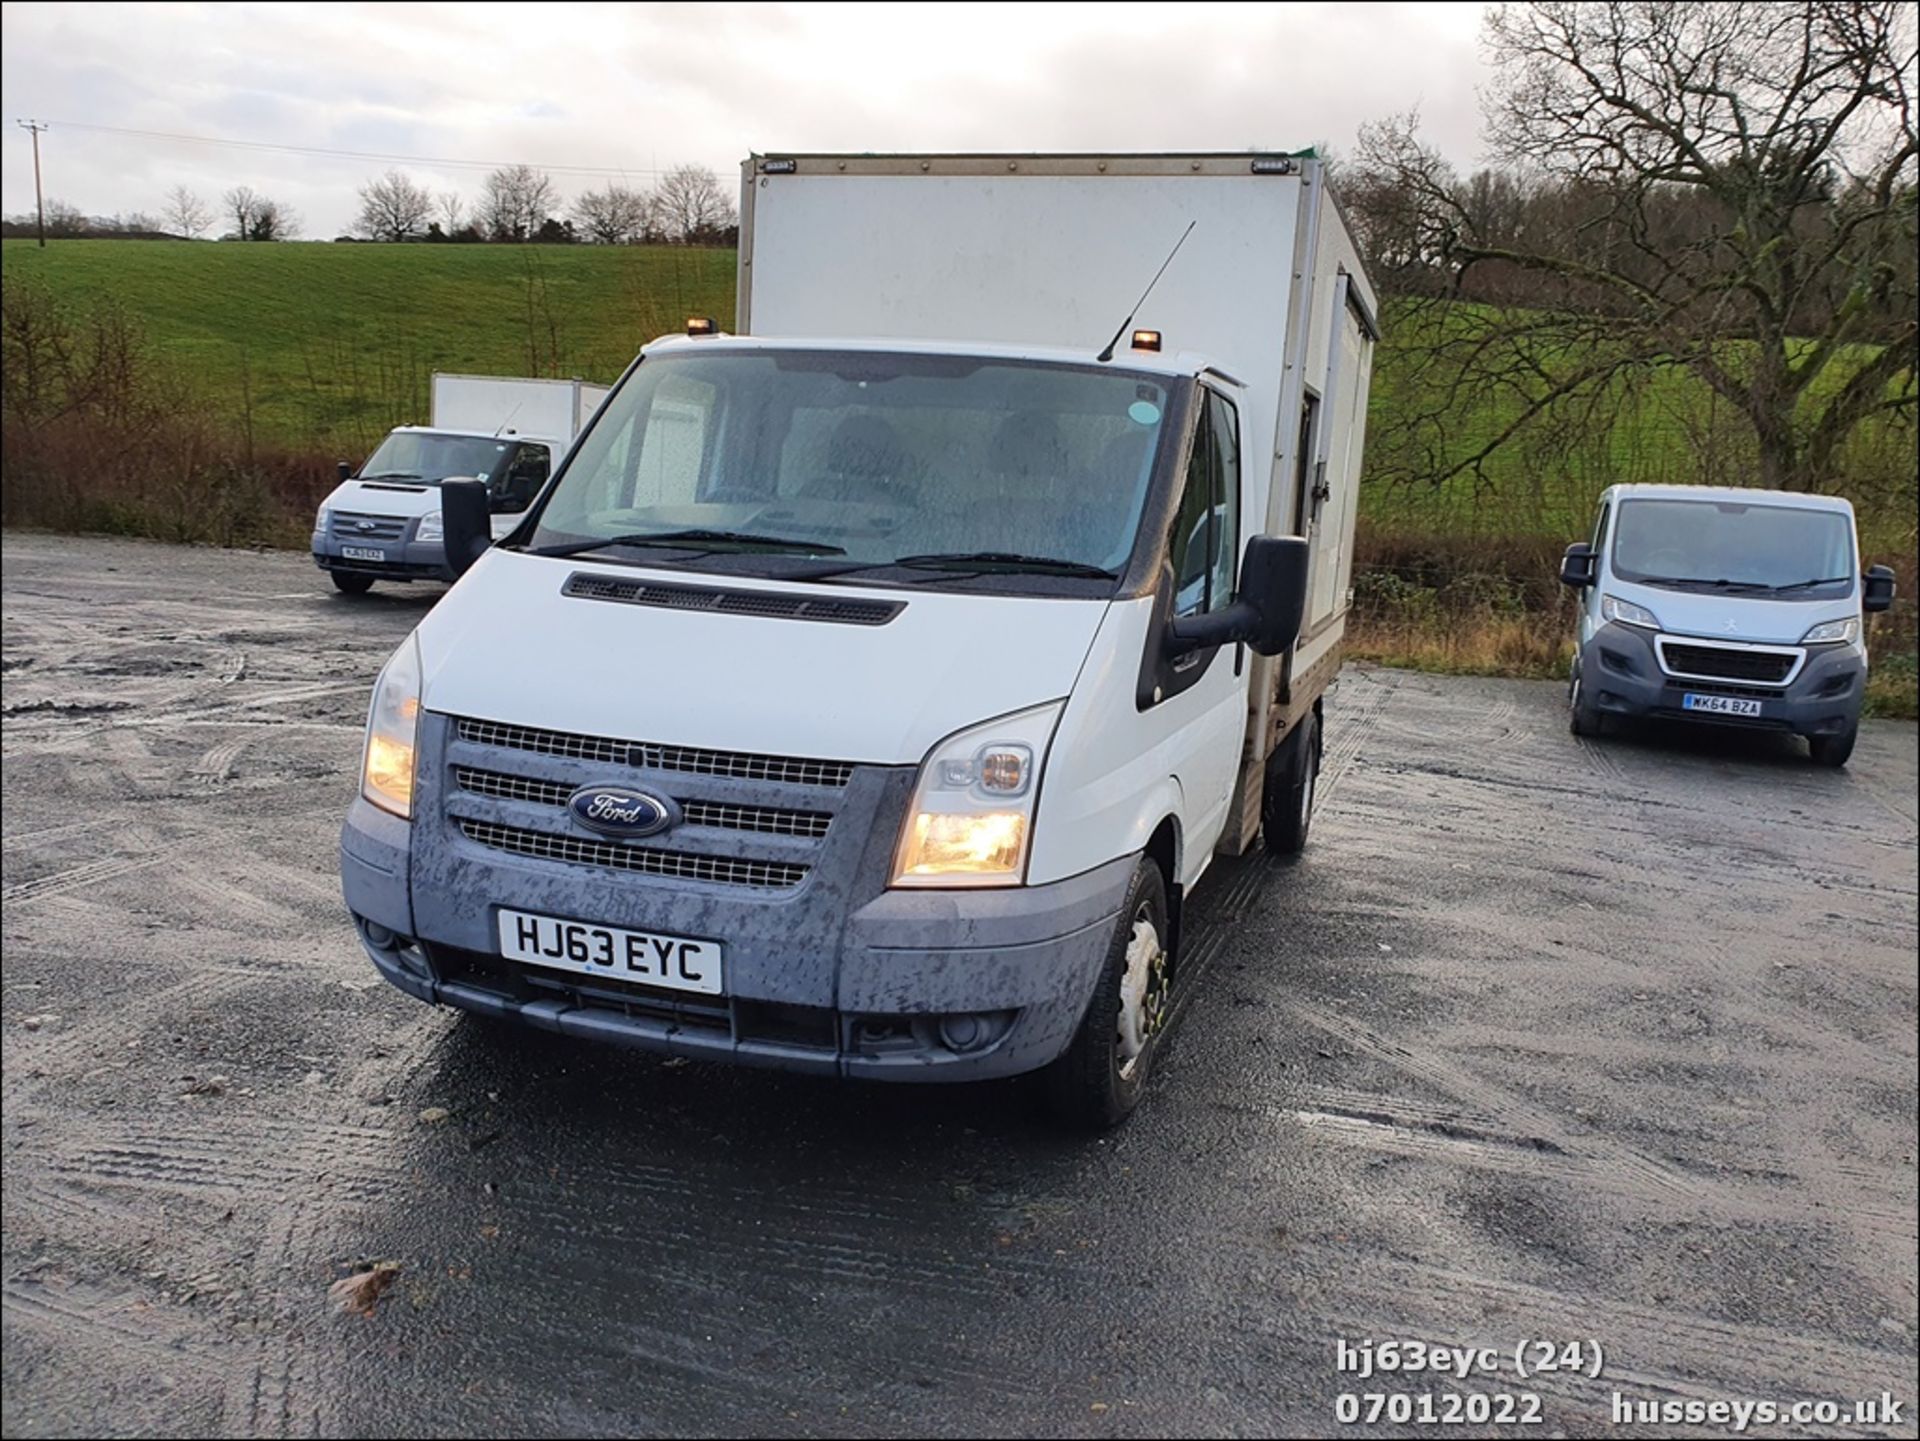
(675, 962)
(362, 552)
(1720, 704)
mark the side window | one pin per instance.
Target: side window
(522, 480)
(1187, 548)
(1224, 422)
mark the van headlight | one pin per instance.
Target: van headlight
(1833, 632)
(1627, 613)
(320, 518)
(386, 766)
(433, 526)
(972, 814)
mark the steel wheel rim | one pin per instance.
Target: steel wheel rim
(1143, 993)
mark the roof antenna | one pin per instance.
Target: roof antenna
(509, 420)
(1107, 354)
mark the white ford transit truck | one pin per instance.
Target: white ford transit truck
(869, 688)
(1729, 606)
(507, 433)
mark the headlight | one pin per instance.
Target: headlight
(386, 767)
(1627, 613)
(433, 526)
(320, 518)
(972, 814)
(1831, 632)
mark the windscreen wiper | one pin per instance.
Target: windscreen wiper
(1716, 584)
(1001, 560)
(1810, 584)
(694, 540)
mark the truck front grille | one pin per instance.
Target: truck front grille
(766, 820)
(350, 527)
(689, 760)
(645, 860)
(1728, 663)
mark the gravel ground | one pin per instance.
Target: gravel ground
(1546, 1040)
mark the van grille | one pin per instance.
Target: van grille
(347, 526)
(1727, 663)
(766, 820)
(689, 760)
(645, 860)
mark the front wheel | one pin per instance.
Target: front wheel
(346, 582)
(1097, 1083)
(1583, 717)
(1833, 750)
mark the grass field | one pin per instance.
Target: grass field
(328, 344)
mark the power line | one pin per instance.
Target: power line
(443, 161)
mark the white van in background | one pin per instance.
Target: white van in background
(509, 434)
(1731, 606)
(867, 692)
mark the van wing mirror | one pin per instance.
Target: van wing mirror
(1271, 603)
(345, 470)
(1578, 565)
(465, 513)
(1877, 591)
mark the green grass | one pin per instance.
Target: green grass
(327, 344)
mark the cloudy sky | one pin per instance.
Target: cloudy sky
(594, 92)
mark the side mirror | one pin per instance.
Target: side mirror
(464, 513)
(1273, 599)
(346, 471)
(1579, 566)
(1877, 591)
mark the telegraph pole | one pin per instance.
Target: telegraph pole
(39, 205)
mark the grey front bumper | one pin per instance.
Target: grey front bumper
(1621, 672)
(411, 560)
(927, 985)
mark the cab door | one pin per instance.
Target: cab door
(1205, 693)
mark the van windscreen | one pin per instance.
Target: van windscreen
(1734, 545)
(877, 457)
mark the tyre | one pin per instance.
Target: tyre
(1583, 717)
(1286, 803)
(1833, 750)
(350, 584)
(1099, 1080)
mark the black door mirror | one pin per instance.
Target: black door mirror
(464, 512)
(1877, 592)
(1267, 616)
(1579, 566)
(346, 471)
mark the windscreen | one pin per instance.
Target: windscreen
(874, 456)
(422, 458)
(1690, 543)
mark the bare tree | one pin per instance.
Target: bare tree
(517, 202)
(185, 213)
(614, 216)
(65, 219)
(453, 209)
(1734, 194)
(259, 217)
(691, 206)
(242, 204)
(393, 208)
